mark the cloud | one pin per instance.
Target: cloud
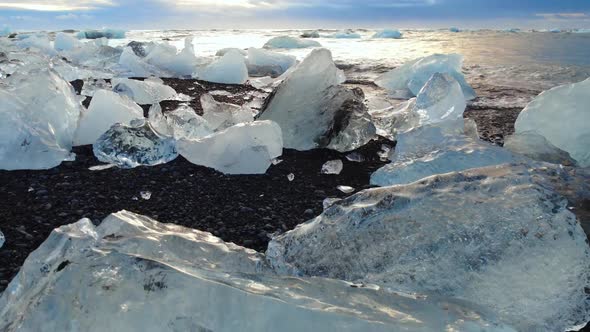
(22, 18)
(72, 16)
(206, 5)
(563, 16)
(55, 5)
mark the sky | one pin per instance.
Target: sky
(241, 14)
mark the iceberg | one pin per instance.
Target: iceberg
(310, 34)
(165, 57)
(2, 239)
(181, 123)
(440, 100)
(139, 48)
(246, 148)
(106, 109)
(408, 79)
(260, 58)
(223, 51)
(388, 33)
(499, 237)
(561, 115)
(144, 92)
(345, 34)
(65, 42)
(229, 69)
(39, 114)
(314, 111)
(220, 116)
(454, 29)
(104, 33)
(134, 145)
(134, 273)
(290, 42)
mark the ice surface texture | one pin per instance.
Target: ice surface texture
(276, 63)
(143, 92)
(181, 123)
(562, 116)
(407, 80)
(242, 149)
(536, 147)
(496, 236)
(39, 114)
(290, 42)
(106, 109)
(221, 115)
(314, 111)
(65, 42)
(134, 145)
(133, 273)
(388, 33)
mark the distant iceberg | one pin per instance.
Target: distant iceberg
(388, 33)
(454, 29)
(290, 42)
(105, 33)
(346, 34)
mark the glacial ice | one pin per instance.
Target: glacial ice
(310, 34)
(134, 145)
(345, 34)
(229, 69)
(65, 42)
(40, 43)
(165, 57)
(104, 33)
(221, 115)
(536, 147)
(91, 85)
(133, 273)
(314, 111)
(430, 150)
(181, 123)
(346, 189)
(408, 79)
(145, 92)
(246, 148)
(223, 51)
(262, 58)
(440, 100)
(136, 66)
(106, 109)
(454, 29)
(290, 42)
(332, 167)
(388, 33)
(561, 115)
(39, 113)
(499, 237)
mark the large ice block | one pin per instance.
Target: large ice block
(181, 123)
(145, 92)
(229, 69)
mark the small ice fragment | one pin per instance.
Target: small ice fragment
(2, 239)
(346, 189)
(291, 177)
(135, 198)
(355, 157)
(30, 189)
(330, 201)
(333, 167)
(101, 167)
(276, 161)
(146, 195)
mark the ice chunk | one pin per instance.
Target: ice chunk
(139, 48)
(346, 189)
(247, 148)
(388, 33)
(268, 59)
(329, 202)
(181, 123)
(314, 112)
(345, 34)
(106, 109)
(408, 80)
(223, 51)
(2, 239)
(40, 43)
(164, 56)
(92, 85)
(145, 92)
(332, 167)
(291, 177)
(430, 150)
(535, 146)
(470, 129)
(440, 100)
(220, 115)
(134, 145)
(145, 195)
(134, 273)
(104, 33)
(310, 34)
(229, 69)
(494, 236)
(5, 31)
(136, 65)
(65, 42)
(39, 113)
(454, 29)
(561, 115)
(355, 157)
(290, 42)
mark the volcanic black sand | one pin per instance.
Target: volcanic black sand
(243, 209)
